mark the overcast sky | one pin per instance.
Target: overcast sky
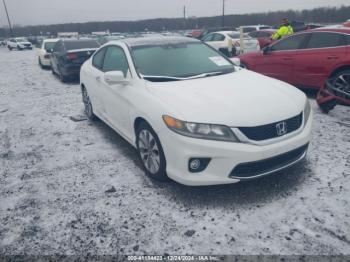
(33, 12)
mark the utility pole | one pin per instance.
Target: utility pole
(184, 12)
(8, 18)
(223, 13)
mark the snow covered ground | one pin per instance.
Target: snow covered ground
(73, 187)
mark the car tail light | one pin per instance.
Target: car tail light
(72, 56)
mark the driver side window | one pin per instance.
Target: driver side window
(115, 60)
(291, 43)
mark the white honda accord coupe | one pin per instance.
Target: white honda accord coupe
(192, 115)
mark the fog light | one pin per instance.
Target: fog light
(196, 165)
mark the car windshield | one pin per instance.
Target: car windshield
(21, 40)
(178, 61)
(71, 45)
(49, 45)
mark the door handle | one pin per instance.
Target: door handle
(332, 57)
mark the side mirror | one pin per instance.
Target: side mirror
(266, 50)
(115, 78)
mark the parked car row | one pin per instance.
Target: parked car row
(193, 115)
(65, 56)
(317, 59)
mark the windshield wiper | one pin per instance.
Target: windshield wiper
(175, 78)
(211, 74)
(161, 78)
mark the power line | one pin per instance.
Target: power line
(223, 13)
(8, 18)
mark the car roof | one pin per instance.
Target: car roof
(140, 41)
(76, 39)
(51, 40)
(270, 30)
(340, 29)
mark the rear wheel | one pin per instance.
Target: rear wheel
(87, 105)
(151, 152)
(61, 76)
(40, 64)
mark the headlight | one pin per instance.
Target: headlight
(202, 131)
(307, 111)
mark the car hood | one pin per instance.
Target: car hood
(242, 98)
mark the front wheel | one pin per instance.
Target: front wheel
(151, 152)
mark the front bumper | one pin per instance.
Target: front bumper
(225, 156)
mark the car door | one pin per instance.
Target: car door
(94, 82)
(115, 97)
(278, 62)
(58, 48)
(322, 54)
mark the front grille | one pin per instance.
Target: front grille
(252, 169)
(259, 133)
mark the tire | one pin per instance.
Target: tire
(9, 47)
(88, 109)
(341, 80)
(151, 152)
(326, 107)
(40, 64)
(243, 65)
(62, 77)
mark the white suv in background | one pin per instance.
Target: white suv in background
(44, 52)
(19, 43)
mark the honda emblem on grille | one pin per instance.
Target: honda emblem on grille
(281, 128)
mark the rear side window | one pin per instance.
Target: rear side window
(58, 47)
(324, 40)
(97, 60)
(291, 43)
(218, 37)
(49, 45)
(115, 60)
(208, 38)
(254, 34)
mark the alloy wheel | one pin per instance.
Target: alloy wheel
(342, 82)
(149, 151)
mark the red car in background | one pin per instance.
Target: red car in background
(263, 36)
(317, 59)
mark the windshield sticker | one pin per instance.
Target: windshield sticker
(219, 61)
